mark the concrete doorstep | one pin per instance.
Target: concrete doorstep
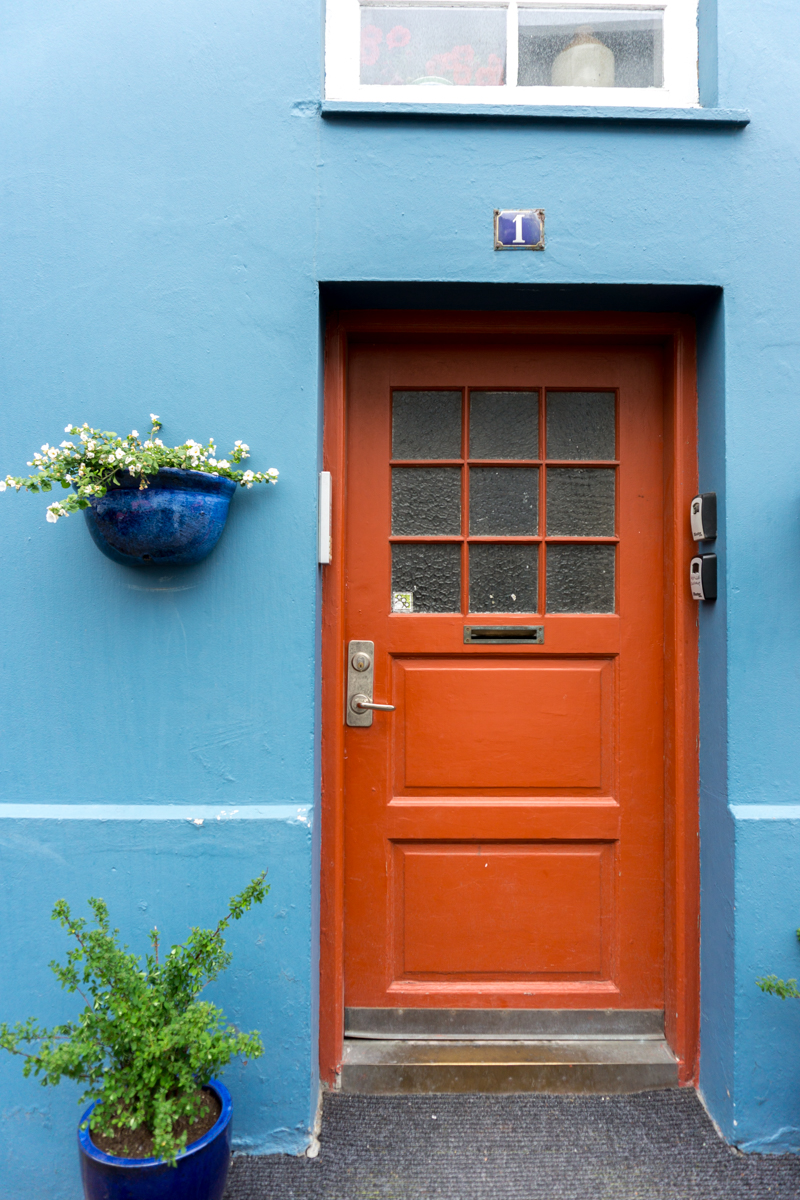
(653, 1145)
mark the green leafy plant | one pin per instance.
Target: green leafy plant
(144, 1045)
(93, 465)
(785, 988)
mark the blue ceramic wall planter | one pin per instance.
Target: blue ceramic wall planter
(177, 519)
(199, 1173)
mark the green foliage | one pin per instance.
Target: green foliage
(144, 1044)
(785, 988)
(93, 465)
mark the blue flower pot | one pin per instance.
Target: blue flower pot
(199, 1173)
(177, 519)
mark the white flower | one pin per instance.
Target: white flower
(223, 463)
(55, 511)
(119, 454)
(148, 445)
(134, 433)
(90, 447)
(52, 452)
(67, 429)
(3, 485)
(69, 444)
(273, 474)
(52, 516)
(154, 418)
(248, 477)
(212, 462)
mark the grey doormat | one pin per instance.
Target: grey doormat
(650, 1146)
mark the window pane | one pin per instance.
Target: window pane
(433, 45)
(591, 47)
(426, 500)
(504, 500)
(580, 579)
(504, 424)
(503, 578)
(581, 425)
(426, 577)
(580, 501)
(426, 424)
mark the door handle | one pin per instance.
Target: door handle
(360, 673)
(360, 703)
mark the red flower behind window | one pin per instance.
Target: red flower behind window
(398, 36)
(463, 54)
(371, 35)
(491, 75)
(463, 58)
(459, 64)
(439, 65)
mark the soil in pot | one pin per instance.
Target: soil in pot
(138, 1143)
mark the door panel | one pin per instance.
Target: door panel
(504, 826)
(504, 725)
(535, 910)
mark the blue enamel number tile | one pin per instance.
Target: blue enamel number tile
(519, 229)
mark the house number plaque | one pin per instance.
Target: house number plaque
(519, 229)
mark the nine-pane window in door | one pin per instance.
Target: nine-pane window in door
(513, 52)
(503, 501)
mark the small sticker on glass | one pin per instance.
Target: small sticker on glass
(403, 602)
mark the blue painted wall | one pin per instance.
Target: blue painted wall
(172, 202)
(148, 159)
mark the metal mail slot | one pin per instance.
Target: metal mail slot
(504, 635)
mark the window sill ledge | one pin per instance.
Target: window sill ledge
(732, 118)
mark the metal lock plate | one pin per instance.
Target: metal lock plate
(360, 658)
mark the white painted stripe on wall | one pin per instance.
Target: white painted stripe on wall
(157, 812)
(766, 812)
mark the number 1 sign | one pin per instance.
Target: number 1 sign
(519, 229)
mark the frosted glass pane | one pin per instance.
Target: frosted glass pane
(580, 501)
(591, 47)
(580, 579)
(503, 501)
(504, 424)
(581, 425)
(426, 500)
(426, 424)
(429, 574)
(503, 578)
(446, 46)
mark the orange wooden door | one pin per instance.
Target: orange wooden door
(504, 826)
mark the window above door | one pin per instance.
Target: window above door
(527, 52)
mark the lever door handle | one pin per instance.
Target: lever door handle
(360, 703)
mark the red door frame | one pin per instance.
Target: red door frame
(682, 874)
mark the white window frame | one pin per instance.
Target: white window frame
(343, 60)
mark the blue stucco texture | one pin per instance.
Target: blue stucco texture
(766, 1065)
(173, 873)
(172, 201)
